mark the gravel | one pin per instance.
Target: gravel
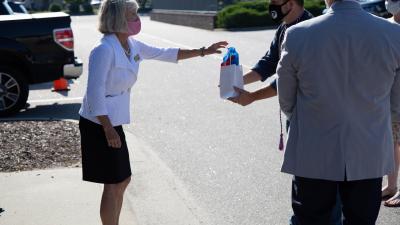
(30, 145)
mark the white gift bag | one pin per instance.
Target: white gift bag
(230, 76)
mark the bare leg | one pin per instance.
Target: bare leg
(123, 187)
(108, 205)
(392, 178)
(391, 188)
(111, 202)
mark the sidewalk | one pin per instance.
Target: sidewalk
(59, 196)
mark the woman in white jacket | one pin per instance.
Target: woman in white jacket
(113, 69)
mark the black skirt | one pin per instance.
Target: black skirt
(101, 163)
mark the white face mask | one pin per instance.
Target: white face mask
(393, 7)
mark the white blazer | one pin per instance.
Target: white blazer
(112, 75)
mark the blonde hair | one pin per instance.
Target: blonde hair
(112, 15)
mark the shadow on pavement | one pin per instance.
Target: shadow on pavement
(48, 112)
(47, 85)
(41, 86)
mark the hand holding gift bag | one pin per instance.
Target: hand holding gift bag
(231, 74)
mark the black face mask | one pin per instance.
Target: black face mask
(275, 11)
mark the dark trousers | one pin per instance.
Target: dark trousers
(313, 201)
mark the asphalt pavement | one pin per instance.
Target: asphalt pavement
(224, 157)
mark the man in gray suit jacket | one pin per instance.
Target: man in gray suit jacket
(339, 85)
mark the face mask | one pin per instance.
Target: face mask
(134, 27)
(275, 11)
(393, 7)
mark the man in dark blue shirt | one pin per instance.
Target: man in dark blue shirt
(290, 12)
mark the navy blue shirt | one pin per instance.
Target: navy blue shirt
(267, 66)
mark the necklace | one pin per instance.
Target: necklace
(127, 51)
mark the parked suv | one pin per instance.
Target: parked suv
(376, 7)
(34, 48)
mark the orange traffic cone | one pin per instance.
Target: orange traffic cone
(60, 85)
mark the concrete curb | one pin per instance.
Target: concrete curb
(51, 197)
(59, 197)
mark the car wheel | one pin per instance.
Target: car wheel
(14, 91)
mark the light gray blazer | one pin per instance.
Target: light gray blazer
(339, 85)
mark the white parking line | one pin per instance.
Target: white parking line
(184, 46)
(56, 100)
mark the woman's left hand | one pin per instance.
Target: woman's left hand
(215, 48)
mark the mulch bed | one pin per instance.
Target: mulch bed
(30, 145)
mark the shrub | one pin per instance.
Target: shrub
(74, 8)
(255, 13)
(244, 14)
(87, 8)
(54, 7)
(315, 7)
(243, 17)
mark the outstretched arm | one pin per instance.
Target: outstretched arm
(213, 49)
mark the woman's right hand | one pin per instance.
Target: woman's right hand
(113, 138)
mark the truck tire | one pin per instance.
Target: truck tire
(14, 91)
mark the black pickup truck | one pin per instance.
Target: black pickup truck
(34, 48)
